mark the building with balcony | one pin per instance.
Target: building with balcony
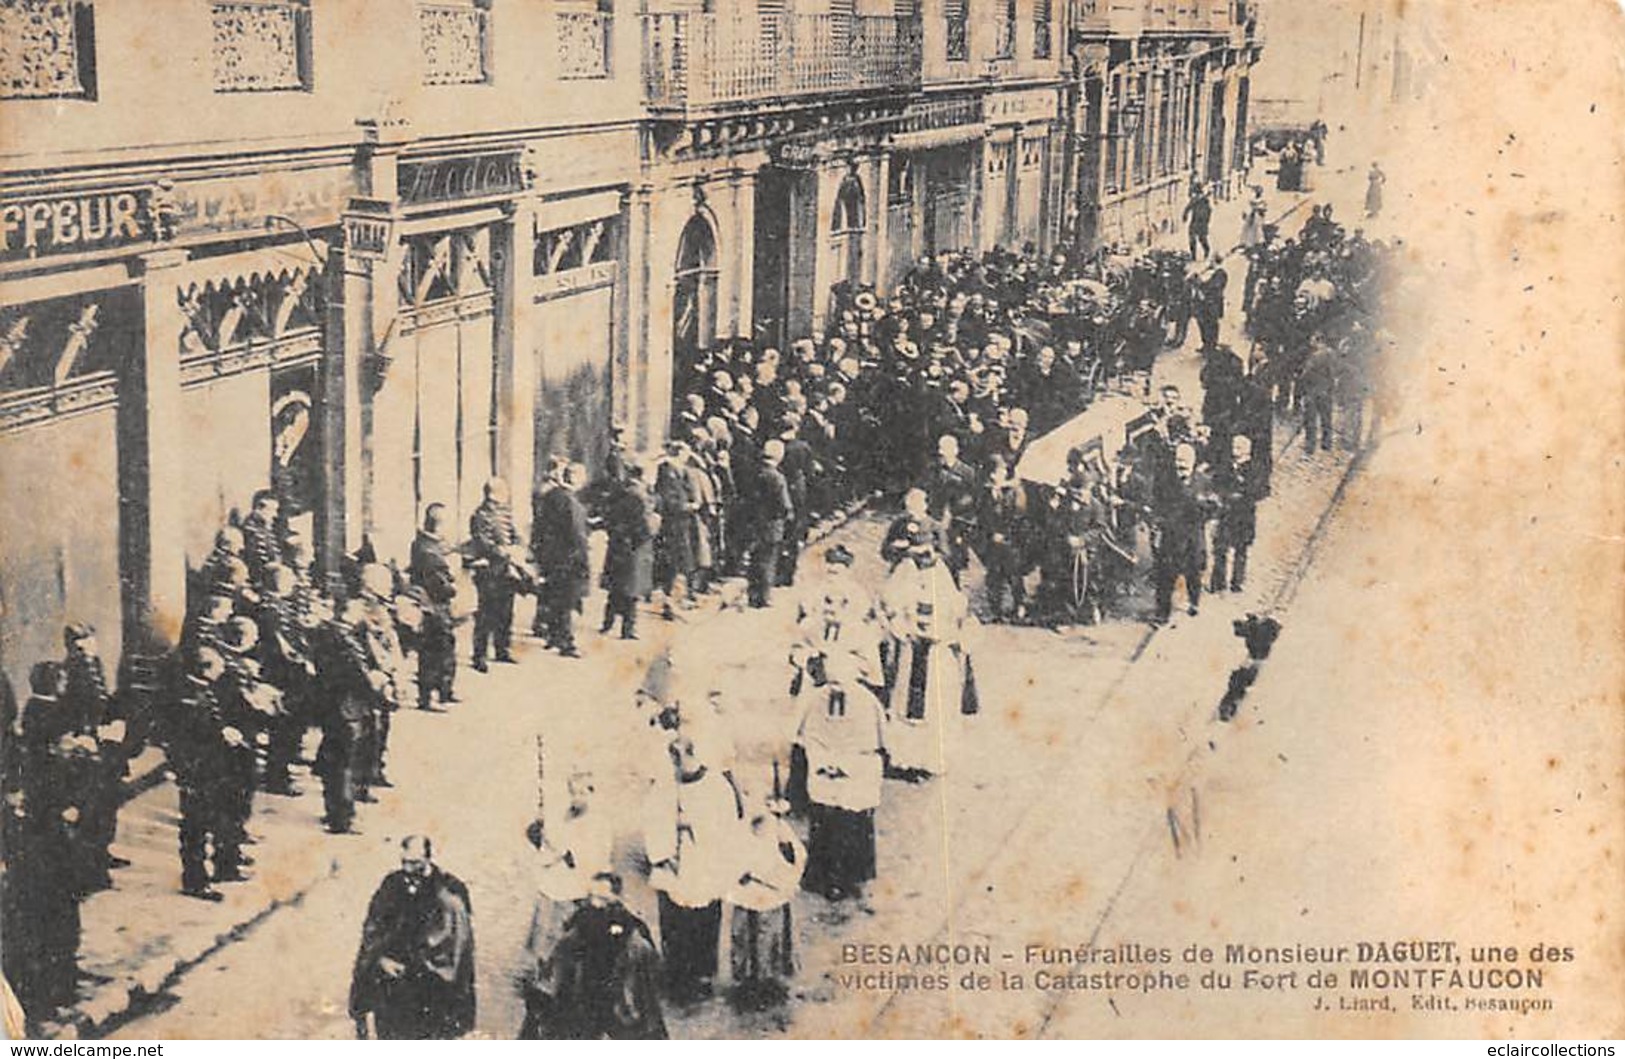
(1158, 100)
(371, 253)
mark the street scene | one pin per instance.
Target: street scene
(855, 525)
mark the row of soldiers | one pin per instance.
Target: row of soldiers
(66, 752)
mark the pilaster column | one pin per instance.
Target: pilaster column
(512, 247)
(152, 521)
(349, 339)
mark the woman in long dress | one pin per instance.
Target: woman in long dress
(1252, 221)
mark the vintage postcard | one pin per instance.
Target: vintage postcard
(812, 518)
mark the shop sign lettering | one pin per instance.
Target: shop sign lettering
(457, 179)
(42, 227)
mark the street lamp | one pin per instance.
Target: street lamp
(1129, 116)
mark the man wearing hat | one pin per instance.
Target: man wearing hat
(559, 544)
(286, 664)
(94, 713)
(352, 684)
(430, 570)
(261, 546)
(492, 538)
(771, 511)
(248, 706)
(197, 745)
(798, 470)
(630, 522)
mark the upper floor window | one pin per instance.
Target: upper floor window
(957, 24)
(47, 50)
(1004, 32)
(261, 45)
(455, 38)
(1042, 33)
(583, 36)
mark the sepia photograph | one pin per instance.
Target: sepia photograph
(812, 519)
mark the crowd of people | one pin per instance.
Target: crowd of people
(931, 397)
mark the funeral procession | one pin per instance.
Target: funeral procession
(554, 519)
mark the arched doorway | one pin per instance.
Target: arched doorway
(847, 227)
(694, 301)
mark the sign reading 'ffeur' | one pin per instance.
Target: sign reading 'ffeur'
(43, 227)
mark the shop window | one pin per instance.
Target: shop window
(47, 50)
(261, 46)
(583, 34)
(580, 245)
(455, 39)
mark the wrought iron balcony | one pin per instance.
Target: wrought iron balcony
(1127, 18)
(699, 61)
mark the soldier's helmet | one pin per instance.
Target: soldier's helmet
(376, 580)
(496, 489)
(240, 635)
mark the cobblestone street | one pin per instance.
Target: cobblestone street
(1086, 729)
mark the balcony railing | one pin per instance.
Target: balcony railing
(1130, 17)
(698, 60)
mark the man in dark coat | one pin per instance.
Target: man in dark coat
(950, 487)
(352, 684)
(605, 974)
(492, 537)
(430, 570)
(197, 744)
(43, 808)
(798, 472)
(1209, 306)
(287, 665)
(1199, 214)
(1184, 503)
(771, 511)
(559, 543)
(1222, 375)
(262, 546)
(629, 559)
(414, 972)
(1240, 484)
(93, 711)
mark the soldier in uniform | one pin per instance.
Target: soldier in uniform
(43, 810)
(197, 745)
(250, 707)
(430, 571)
(492, 538)
(352, 684)
(287, 665)
(560, 547)
(93, 714)
(384, 658)
(262, 546)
